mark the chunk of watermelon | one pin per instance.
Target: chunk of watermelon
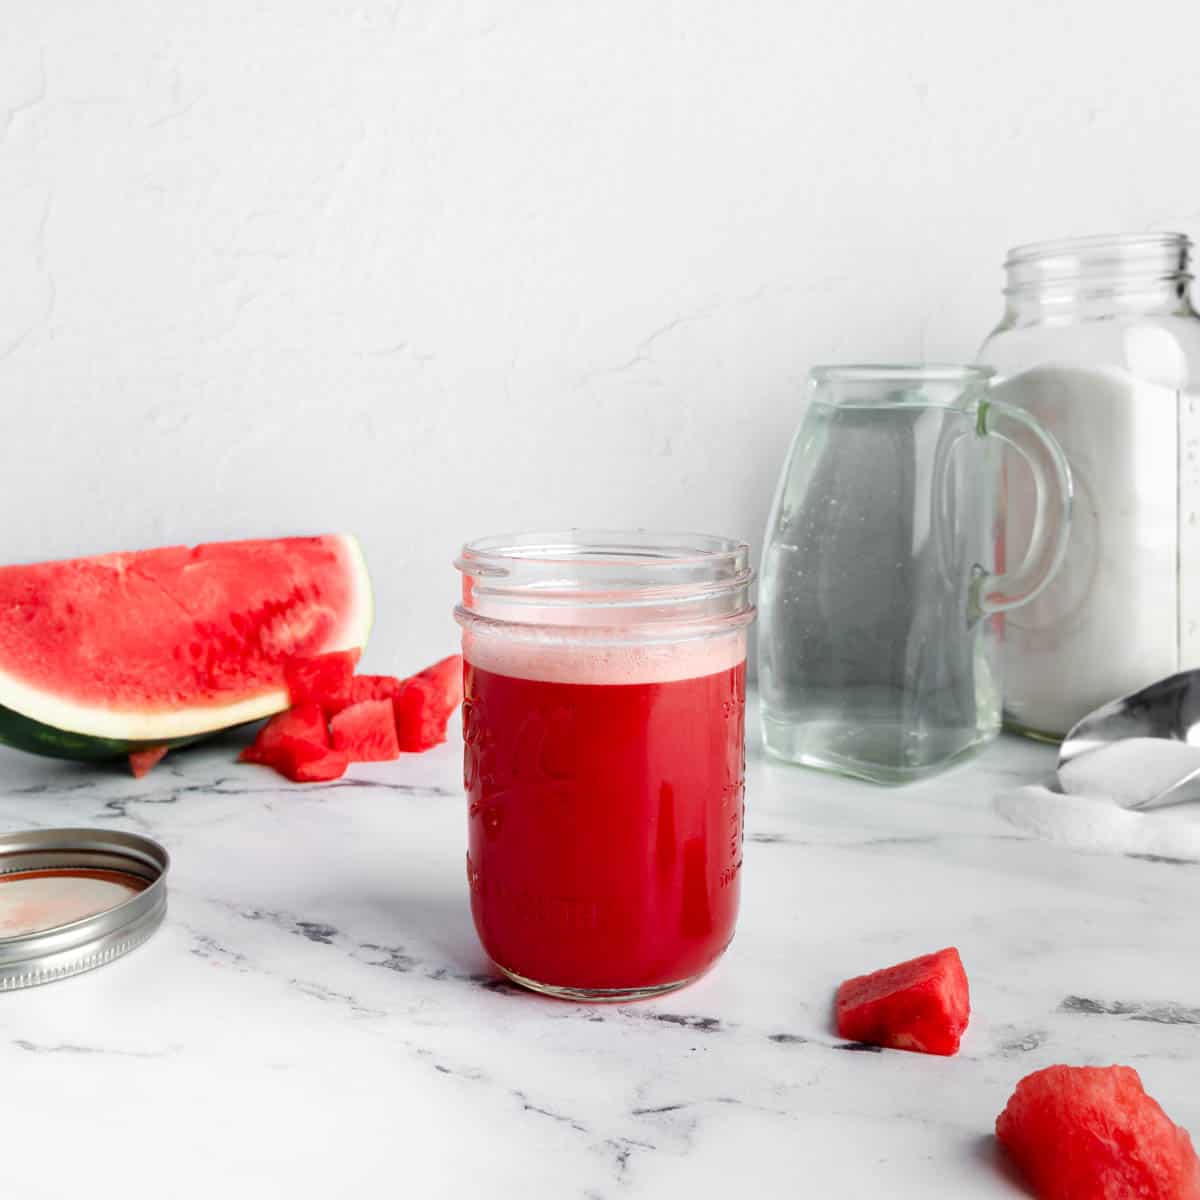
(324, 679)
(296, 743)
(922, 1005)
(421, 716)
(425, 703)
(1092, 1133)
(142, 762)
(366, 731)
(303, 761)
(446, 676)
(373, 717)
(304, 721)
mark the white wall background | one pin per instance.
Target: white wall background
(424, 270)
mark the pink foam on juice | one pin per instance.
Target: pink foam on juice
(563, 661)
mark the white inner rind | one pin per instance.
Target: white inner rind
(559, 661)
(134, 726)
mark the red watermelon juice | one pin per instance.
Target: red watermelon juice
(605, 801)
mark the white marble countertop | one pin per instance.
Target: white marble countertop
(315, 1018)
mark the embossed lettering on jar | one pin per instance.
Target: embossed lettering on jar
(604, 755)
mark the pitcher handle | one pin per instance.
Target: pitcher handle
(1052, 514)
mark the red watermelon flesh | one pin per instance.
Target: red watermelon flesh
(142, 762)
(366, 731)
(296, 743)
(421, 716)
(307, 762)
(1092, 1133)
(325, 679)
(158, 644)
(304, 722)
(374, 717)
(374, 687)
(447, 678)
(425, 703)
(922, 1005)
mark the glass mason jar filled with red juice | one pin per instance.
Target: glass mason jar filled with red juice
(605, 680)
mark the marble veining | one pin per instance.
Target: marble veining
(1164, 1014)
(315, 1016)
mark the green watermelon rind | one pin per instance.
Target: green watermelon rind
(24, 732)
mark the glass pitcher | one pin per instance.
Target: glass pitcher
(880, 587)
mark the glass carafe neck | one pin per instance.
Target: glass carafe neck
(1096, 277)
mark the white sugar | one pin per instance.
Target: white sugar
(1092, 812)
(1109, 621)
(1132, 771)
(1098, 825)
(1082, 822)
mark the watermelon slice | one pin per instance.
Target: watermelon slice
(102, 657)
(1092, 1133)
(325, 679)
(366, 731)
(142, 762)
(922, 1005)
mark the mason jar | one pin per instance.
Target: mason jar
(1099, 342)
(603, 720)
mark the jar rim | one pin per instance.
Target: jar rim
(900, 372)
(1071, 247)
(499, 555)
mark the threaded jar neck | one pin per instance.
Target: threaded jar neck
(1110, 273)
(629, 586)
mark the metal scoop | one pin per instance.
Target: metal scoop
(1168, 709)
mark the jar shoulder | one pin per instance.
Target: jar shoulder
(1165, 347)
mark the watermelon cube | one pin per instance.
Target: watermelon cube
(141, 762)
(296, 744)
(425, 702)
(421, 716)
(1092, 1133)
(303, 761)
(323, 679)
(366, 731)
(305, 722)
(446, 677)
(921, 1005)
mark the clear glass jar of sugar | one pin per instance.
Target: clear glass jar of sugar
(1100, 342)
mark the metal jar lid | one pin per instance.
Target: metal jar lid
(74, 899)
